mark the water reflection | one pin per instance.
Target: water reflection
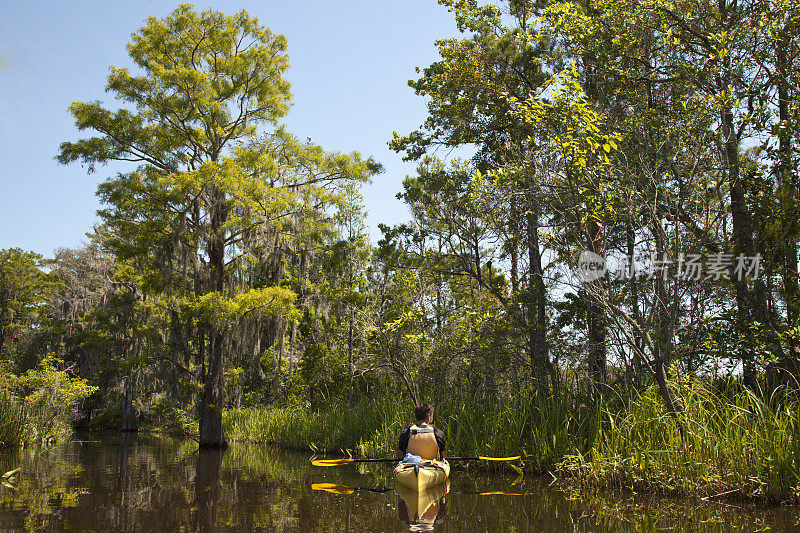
(421, 510)
(129, 483)
(207, 489)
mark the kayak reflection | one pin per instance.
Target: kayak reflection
(422, 509)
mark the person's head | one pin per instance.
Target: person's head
(424, 412)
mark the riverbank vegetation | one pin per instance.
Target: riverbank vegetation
(41, 404)
(600, 269)
(727, 443)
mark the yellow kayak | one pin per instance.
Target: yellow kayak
(420, 476)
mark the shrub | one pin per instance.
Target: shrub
(43, 401)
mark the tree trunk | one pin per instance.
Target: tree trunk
(787, 369)
(752, 303)
(350, 361)
(596, 319)
(212, 434)
(663, 319)
(514, 246)
(536, 305)
(639, 342)
(129, 422)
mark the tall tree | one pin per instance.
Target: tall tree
(24, 288)
(779, 52)
(500, 55)
(207, 193)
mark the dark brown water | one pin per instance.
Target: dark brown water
(147, 484)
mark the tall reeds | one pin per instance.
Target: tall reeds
(728, 444)
(544, 428)
(367, 429)
(722, 444)
(12, 419)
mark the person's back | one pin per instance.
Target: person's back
(422, 439)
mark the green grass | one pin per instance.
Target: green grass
(733, 444)
(365, 429)
(12, 419)
(543, 428)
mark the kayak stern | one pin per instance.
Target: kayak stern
(420, 476)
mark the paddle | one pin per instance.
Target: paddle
(337, 488)
(339, 462)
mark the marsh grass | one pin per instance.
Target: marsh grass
(364, 429)
(729, 444)
(543, 428)
(732, 442)
(12, 419)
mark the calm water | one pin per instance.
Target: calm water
(146, 484)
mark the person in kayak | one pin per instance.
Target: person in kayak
(422, 439)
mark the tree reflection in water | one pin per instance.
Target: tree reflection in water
(207, 489)
(135, 483)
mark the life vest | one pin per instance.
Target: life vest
(422, 442)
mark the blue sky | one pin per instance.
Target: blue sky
(350, 64)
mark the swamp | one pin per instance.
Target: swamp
(130, 483)
(594, 277)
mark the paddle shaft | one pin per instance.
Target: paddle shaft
(388, 459)
(394, 459)
(365, 460)
(339, 462)
(344, 489)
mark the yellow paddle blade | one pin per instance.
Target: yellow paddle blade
(499, 458)
(10, 474)
(333, 487)
(331, 462)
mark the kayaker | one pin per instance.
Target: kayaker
(422, 439)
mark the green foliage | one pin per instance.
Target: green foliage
(208, 79)
(233, 266)
(161, 415)
(24, 289)
(204, 178)
(46, 400)
(212, 204)
(729, 442)
(12, 418)
(567, 124)
(367, 428)
(213, 308)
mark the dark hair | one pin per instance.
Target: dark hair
(422, 411)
